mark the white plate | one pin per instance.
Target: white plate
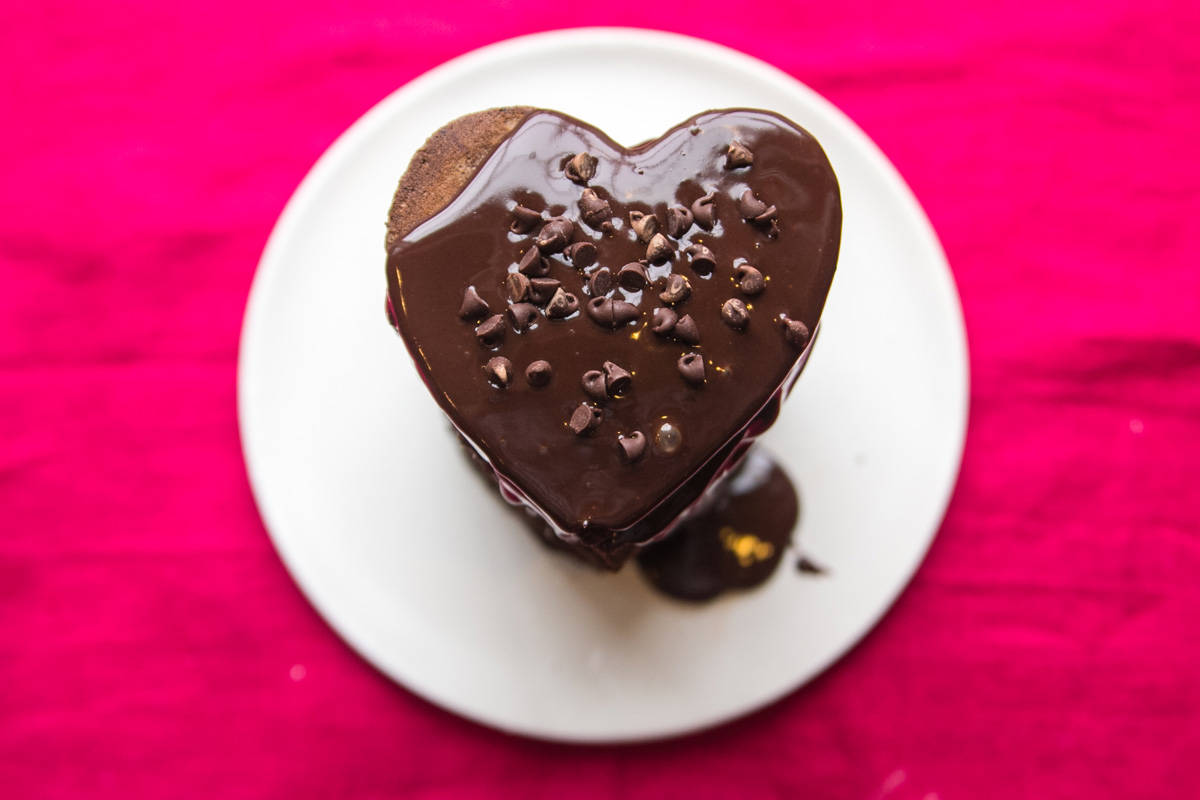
(376, 513)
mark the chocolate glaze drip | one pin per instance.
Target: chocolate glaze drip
(736, 543)
(583, 485)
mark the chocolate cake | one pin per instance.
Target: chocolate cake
(609, 328)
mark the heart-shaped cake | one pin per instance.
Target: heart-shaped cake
(610, 327)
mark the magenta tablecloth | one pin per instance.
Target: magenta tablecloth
(152, 644)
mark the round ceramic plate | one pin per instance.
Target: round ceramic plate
(408, 554)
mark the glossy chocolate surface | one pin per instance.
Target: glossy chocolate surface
(583, 484)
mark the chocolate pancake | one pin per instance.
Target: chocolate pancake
(609, 327)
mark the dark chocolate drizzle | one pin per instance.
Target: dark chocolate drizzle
(583, 485)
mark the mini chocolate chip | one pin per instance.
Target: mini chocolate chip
(491, 330)
(796, 333)
(624, 313)
(524, 220)
(542, 289)
(600, 282)
(659, 250)
(594, 210)
(516, 286)
(749, 279)
(585, 419)
(533, 264)
(522, 315)
(499, 371)
(702, 259)
(679, 221)
(562, 304)
(633, 446)
(601, 311)
(735, 313)
(704, 211)
(581, 254)
(632, 277)
(691, 367)
(678, 289)
(663, 320)
(643, 224)
(686, 330)
(738, 155)
(612, 313)
(749, 206)
(593, 384)
(581, 168)
(617, 379)
(473, 306)
(539, 373)
(555, 235)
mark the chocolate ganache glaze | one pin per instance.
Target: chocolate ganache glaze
(609, 328)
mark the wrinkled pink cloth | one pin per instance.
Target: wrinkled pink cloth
(151, 643)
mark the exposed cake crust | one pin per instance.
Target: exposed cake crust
(446, 163)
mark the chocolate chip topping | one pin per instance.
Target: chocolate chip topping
(749, 280)
(643, 224)
(580, 168)
(524, 220)
(600, 309)
(516, 286)
(473, 306)
(555, 235)
(679, 221)
(686, 330)
(600, 282)
(542, 289)
(632, 277)
(522, 315)
(755, 210)
(735, 314)
(691, 367)
(750, 206)
(562, 304)
(538, 373)
(738, 155)
(617, 379)
(533, 264)
(663, 320)
(624, 313)
(581, 254)
(593, 384)
(593, 209)
(678, 289)
(633, 446)
(796, 332)
(499, 371)
(659, 250)
(704, 211)
(702, 259)
(585, 419)
(491, 330)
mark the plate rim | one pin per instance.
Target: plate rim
(271, 264)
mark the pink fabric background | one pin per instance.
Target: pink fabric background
(151, 643)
